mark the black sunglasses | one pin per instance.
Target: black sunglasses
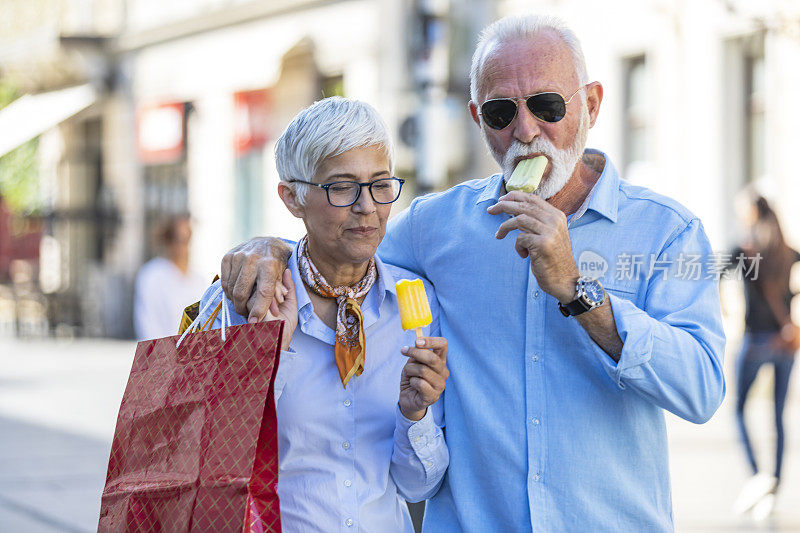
(346, 193)
(499, 113)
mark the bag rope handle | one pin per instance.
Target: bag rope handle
(226, 317)
(211, 318)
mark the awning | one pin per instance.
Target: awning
(33, 114)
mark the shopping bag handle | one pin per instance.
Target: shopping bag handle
(225, 316)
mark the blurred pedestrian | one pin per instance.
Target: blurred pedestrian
(770, 338)
(165, 285)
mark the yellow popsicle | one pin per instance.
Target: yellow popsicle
(527, 175)
(415, 312)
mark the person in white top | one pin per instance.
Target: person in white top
(359, 421)
(166, 285)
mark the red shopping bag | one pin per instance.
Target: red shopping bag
(196, 448)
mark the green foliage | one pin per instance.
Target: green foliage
(332, 86)
(19, 177)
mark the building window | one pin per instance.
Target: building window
(249, 195)
(163, 145)
(635, 113)
(252, 131)
(743, 122)
(755, 144)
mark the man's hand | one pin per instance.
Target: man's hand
(423, 377)
(544, 237)
(249, 273)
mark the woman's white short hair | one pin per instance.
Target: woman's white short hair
(512, 28)
(328, 128)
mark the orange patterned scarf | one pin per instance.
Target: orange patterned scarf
(350, 348)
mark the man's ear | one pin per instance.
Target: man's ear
(473, 110)
(289, 197)
(594, 97)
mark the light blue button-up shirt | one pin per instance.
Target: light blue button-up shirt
(546, 432)
(347, 456)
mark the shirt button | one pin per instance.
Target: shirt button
(349, 522)
(347, 482)
(535, 421)
(347, 402)
(535, 294)
(536, 477)
(534, 358)
(346, 445)
(430, 464)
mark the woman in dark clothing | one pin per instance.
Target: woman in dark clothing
(770, 338)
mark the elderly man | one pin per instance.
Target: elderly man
(558, 380)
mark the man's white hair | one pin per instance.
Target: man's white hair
(328, 128)
(513, 28)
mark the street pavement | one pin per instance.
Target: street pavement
(59, 401)
(58, 408)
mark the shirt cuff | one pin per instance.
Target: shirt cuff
(634, 327)
(422, 436)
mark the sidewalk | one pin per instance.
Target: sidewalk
(59, 402)
(708, 466)
(58, 409)
(51, 480)
(707, 462)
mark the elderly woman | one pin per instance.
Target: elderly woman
(355, 430)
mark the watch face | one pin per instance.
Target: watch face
(593, 291)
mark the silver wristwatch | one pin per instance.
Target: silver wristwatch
(590, 294)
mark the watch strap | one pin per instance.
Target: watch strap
(573, 308)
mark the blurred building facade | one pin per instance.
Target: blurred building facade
(165, 107)
(162, 108)
(697, 97)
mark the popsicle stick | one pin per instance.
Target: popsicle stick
(419, 332)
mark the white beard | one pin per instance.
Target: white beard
(562, 161)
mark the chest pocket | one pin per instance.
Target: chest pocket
(620, 289)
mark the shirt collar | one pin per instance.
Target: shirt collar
(491, 189)
(602, 198)
(372, 303)
(304, 306)
(385, 282)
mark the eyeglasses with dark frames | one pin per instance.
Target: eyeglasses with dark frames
(346, 193)
(499, 113)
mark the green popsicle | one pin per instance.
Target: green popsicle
(527, 174)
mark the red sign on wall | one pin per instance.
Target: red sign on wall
(160, 133)
(251, 120)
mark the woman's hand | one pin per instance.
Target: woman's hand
(284, 307)
(788, 340)
(423, 377)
